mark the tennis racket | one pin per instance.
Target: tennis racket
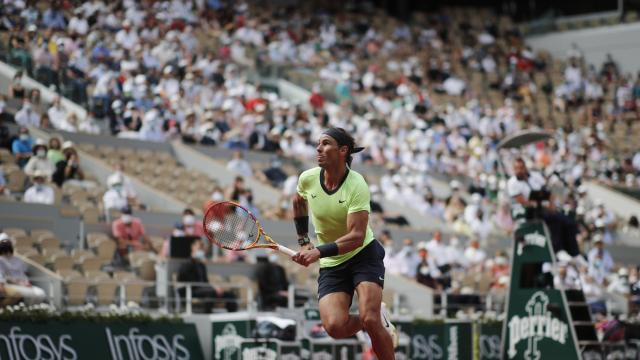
(232, 227)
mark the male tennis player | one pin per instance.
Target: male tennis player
(350, 258)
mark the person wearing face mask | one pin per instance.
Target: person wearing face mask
(116, 196)
(130, 235)
(195, 271)
(39, 162)
(22, 147)
(119, 175)
(190, 225)
(40, 192)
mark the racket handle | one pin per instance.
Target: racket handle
(286, 250)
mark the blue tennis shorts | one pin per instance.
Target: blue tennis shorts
(367, 265)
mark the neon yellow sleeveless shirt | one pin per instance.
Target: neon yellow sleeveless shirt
(329, 209)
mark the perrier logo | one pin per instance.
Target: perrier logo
(228, 342)
(535, 327)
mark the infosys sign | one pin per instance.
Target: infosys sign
(78, 340)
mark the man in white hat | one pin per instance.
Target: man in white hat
(116, 196)
(40, 192)
(39, 162)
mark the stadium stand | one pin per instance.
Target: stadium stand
(161, 112)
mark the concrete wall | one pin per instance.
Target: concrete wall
(38, 216)
(621, 41)
(216, 169)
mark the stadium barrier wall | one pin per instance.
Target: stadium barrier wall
(620, 203)
(621, 41)
(195, 160)
(107, 340)
(39, 216)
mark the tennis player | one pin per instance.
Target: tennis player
(350, 258)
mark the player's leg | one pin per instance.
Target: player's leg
(335, 290)
(334, 312)
(369, 302)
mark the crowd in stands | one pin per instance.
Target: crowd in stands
(174, 70)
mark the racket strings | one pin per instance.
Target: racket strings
(231, 226)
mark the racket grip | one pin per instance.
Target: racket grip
(286, 250)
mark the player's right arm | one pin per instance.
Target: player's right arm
(301, 216)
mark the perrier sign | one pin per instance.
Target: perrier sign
(539, 324)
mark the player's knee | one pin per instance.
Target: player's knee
(335, 326)
(370, 320)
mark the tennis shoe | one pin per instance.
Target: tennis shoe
(386, 323)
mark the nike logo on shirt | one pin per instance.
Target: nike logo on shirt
(341, 201)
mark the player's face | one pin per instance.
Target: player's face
(328, 151)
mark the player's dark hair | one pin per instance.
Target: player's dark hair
(344, 139)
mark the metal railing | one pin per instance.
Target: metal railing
(180, 299)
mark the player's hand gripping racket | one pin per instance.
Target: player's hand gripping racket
(232, 227)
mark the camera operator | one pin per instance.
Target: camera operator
(527, 191)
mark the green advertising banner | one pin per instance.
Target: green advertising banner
(489, 335)
(269, 349)
(58, 340)
(330, 349)
(538, 324)
(227, 335)
(450, 340)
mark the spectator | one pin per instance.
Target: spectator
(22, 147)
(35, 98)
(236, 190)
(54, 154)
(473, 254)
(39, 162)
(3, 184)
(239, 165)
(40, 192)
(130, 235)
(195, 271)
(600, 261)
(16, 89)
(427, 271)
(26, 116)
(272, 282)
(115, 198)
(407, 259)
(69, 169)
(274, 174)
(57, 113)
(53, 18)
(437, 251)
(190, 225)
(455, 254)
(14, 282)
(620, 284)
(127, 185)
